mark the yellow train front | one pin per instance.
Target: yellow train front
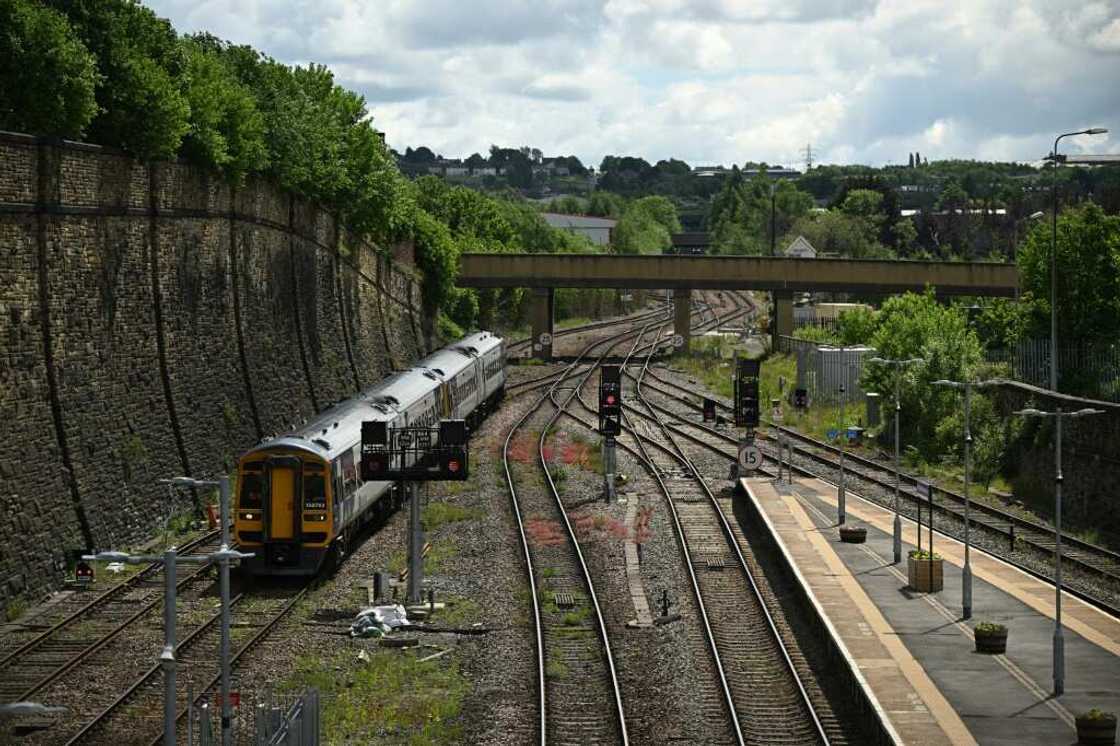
(300, 496)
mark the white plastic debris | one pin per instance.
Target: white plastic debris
(115, 567)
(375, 621)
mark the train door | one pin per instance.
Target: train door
(284, 483)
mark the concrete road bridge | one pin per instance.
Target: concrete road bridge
(782, 276)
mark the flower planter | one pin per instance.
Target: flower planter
(1096, 728)
(853, 534)
(991, 638)
(919, 574)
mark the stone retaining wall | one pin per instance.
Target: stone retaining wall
(154, 321)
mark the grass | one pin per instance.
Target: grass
(392, 698)
(458, 611)
(554, 669)
(17, 607)
(568, 323)
(436, 514)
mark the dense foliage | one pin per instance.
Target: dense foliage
(749, 216)
(38, 45)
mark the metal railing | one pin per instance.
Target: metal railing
(278, 720)
(1091, 370)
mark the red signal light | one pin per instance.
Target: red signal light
(453, 466)
(610, 398)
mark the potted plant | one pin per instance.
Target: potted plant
(991, 638)
(925, 571)
(1096, 727)
(853, 534)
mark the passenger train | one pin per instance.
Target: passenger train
(301, 498)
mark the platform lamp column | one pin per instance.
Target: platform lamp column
(222, 557)
(1059, 642)
(898, 364)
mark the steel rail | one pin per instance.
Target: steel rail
(729, 535)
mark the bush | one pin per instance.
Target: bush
(47, 76)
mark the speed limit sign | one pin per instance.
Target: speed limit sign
(750, 457)
(678, 340)
(545, 339)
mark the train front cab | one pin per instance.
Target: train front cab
(284, 512)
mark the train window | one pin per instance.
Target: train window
(252, 487)
(314, 492)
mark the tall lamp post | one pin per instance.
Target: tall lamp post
(1059, 643)
(223, 556)
(1054, 253)
(966, 572)
(899, 364)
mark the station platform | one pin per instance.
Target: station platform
(913, 654)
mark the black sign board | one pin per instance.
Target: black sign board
(419, 454)
(610, 400)
(801, 398)
(746, 393)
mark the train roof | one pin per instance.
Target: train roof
(338, 427)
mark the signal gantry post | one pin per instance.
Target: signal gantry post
(747, 414)
(413, 455)
(610, 421)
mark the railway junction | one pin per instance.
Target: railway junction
(679, 607)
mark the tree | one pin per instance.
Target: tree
(226, 128)
(605, 204)
(916, 326)
(1088, 260)
(836, 232)
(422, 154)
(140, 95)
(475, 161)
(47, 76)
(645, 227)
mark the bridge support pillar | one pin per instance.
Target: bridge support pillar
(544, 303)
(682, 315)
(783, 316)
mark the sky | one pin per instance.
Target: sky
(706, 81)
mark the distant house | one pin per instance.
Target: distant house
(801, 248)
(709, 171)
(597, 230)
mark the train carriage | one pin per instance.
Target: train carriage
(300, 495)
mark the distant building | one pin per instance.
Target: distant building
(695, 243)
(597, 230)
(801, 248)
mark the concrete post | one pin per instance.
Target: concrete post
(682, 315)
(544, 303)
(783, 316)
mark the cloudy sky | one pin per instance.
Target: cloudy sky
(708, 81)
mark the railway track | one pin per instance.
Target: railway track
(83, 631)
(136, 715)
(579, 698)
(875, 481)
(572, 707)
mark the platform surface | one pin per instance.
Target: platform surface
(915, 652)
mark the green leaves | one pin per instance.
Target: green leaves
(47, 76)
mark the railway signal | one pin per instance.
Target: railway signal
(610, 400)
(414, 455)
(709, 410)
(83, 573)
(746, 393)
(801, 398)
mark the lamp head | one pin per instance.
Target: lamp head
(1095, 131)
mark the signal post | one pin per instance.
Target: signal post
(747, 412)
(413, 455)
(610, 421)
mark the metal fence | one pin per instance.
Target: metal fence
(1092, 371)
(825, 372)
(277, 720)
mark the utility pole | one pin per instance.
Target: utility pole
(898, 365)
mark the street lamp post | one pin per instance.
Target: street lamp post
(966, 572)
(1059, 642)
(898, 363)
(1054, 253)
(222, 556)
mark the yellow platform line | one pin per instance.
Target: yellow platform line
(1028, 682)
(947, 718)
(1104, 630)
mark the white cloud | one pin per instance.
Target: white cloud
(705, 80)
